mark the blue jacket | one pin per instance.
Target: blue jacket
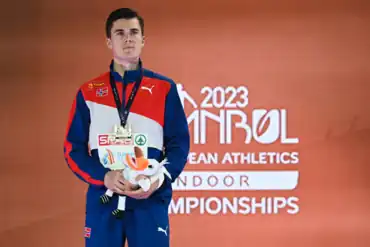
(157, 112)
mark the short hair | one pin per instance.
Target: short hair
(122, 13)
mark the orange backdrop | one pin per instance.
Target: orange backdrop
(310, 58)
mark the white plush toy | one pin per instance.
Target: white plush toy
(150, 168)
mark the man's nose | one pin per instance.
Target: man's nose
(128, 38)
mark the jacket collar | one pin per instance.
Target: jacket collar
(129, 76)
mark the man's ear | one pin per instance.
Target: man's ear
(109, 43)
(143, 41)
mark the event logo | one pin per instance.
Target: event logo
(221, 120)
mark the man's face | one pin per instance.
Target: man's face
(126, 40)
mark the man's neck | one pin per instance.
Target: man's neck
(121, 67)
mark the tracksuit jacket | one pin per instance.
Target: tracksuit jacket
(156, 111)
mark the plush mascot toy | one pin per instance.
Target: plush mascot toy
(134, 167)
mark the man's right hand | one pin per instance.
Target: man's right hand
(114, 181)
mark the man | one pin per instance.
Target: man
(156, 110)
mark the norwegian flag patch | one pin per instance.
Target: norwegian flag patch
(101, 92)
(87, 232)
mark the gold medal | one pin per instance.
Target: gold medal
(122, 132)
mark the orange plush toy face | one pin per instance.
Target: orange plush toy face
(139, 163)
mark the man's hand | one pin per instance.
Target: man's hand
(140, 193)
(114, 181)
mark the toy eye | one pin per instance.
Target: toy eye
(150, 166)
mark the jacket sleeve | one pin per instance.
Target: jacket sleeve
(76, 150)
(176, 134)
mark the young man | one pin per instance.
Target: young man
(155, 110)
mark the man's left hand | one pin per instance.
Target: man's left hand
(141, 194)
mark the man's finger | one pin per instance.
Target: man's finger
(145, 196)
(121, 179)
(135, 192)
(120, 186)
(139, 194)
(118, 191)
